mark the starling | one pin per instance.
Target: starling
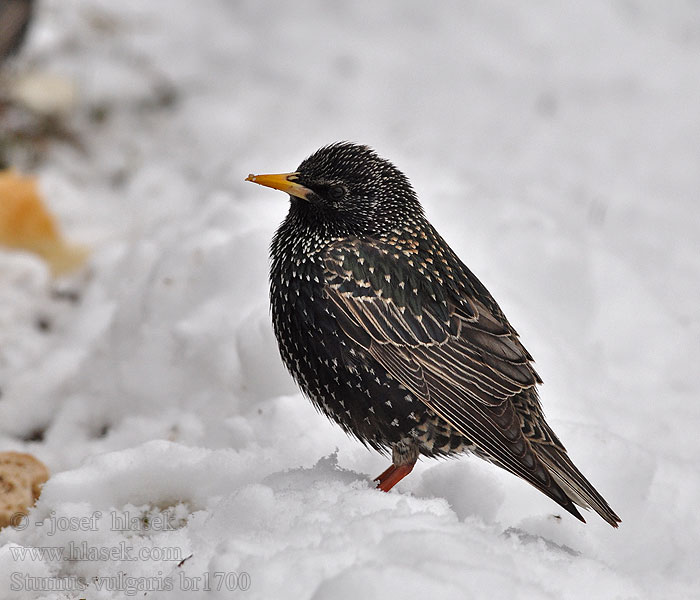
(392, 337)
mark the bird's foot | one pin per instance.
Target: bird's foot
(392, 476)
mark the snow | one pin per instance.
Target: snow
(554, 145)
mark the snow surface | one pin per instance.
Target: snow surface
(555, 145)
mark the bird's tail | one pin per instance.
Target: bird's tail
(574, 483)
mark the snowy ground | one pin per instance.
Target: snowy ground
(555, 145)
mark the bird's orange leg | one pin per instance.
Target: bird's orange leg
(392, 476)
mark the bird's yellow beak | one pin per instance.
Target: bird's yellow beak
(282, 181)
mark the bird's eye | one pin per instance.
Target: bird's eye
(336, 192)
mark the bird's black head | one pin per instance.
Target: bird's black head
(346, 189)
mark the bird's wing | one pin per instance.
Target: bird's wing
(445, 341)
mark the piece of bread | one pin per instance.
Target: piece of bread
(26, 224)
(21, 477)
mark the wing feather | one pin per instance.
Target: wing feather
(452, 347)
(458, 358)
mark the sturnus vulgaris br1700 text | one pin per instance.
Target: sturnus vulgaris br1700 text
(391, 336)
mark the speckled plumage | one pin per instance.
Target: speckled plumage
(391, 336)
